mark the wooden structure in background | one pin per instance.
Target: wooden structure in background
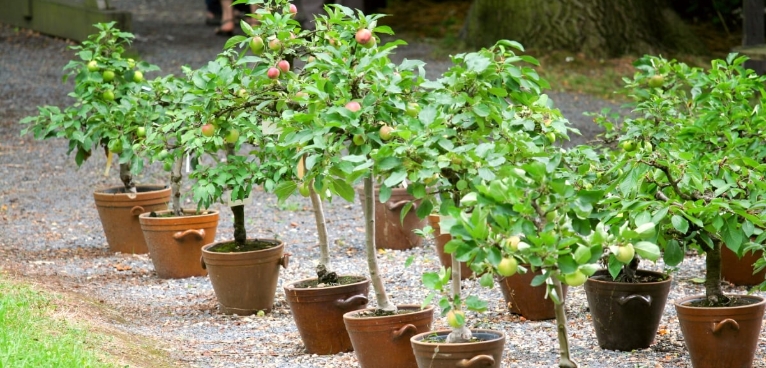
(72, 19)
(753, 41)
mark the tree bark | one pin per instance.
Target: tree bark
(598, 28)
(240, 234)
(175, 186)
(565, 360)
(713, 290)
(127, 178)
(384, 304)
(324, 251)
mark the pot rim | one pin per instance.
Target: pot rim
(351, 315)
(208, 246)
(209, 213)
(418, 339)
(104, 190)
(679, 303)
(667, 280)
(291, 285)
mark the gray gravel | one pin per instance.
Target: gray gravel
(49, 228)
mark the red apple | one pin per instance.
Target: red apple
(293, 9)
(385, 132)
(353, 106)
(208, 130)
(273, 73)
(284, 66)
(363, 36)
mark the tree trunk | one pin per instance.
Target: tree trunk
(565, 360)
(127, 178)
(240, 234)
(713, 290)
(324, 251)
(175, 186)
(384, 304)
(597, 28)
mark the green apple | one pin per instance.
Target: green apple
(625, 253)
(386, 132)
(413, 109)
(453, 320)
(257, 45)
(576, 278)
(508, 266)
(92, 66)
(108, 95)
(231, 136)
(138, 77)
(108, 75)
(141, 132)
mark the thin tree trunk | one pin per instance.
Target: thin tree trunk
(240, 234)
(316, 203)
(175, 186)
(461, 334)
(713, 290)
(127, 178)
(384, 304)
(561, 328)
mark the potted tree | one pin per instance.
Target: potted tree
(110, 111)
(175, 236)
(704, 127)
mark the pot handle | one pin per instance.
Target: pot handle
(408, 328)
(477, 361)
(718, 327)
(355, 300)
(137, 210)
(285, 260)
(196, 234)
(393, 206)
(646, 299)
(202, 263)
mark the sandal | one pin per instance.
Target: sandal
(225, 33)
(212, 19)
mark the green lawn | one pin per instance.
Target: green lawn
(31, 337)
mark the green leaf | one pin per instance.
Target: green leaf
(285, 189)
(732, 234)
(614, 266)
(647, 250)
(233, 41)
(389, 163)
(475, 304)
(487, 280)
(384, 194)
(395, 178)
(431, 280)
(680, 223)
(582, 255)
(674, 254)
(539, 280)
(424, 208)
(342, 189)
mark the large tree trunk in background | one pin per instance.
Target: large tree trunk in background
(601, 28)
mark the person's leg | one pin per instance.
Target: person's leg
(213, 13)
(227, 18)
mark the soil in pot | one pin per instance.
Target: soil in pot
(245, 277)
(486, 350)
(311, 301)
(119, 211)
(175, 242)
(626, 315)
(442, 239)
(390, 231)
(526, 300)
(384, 341)
(721, 336)
(739, 271)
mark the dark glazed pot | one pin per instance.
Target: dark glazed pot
(526, 300)
(442, 239)
(384, 342)
(118, 212)
(721, 337)
(328, 305)
(390, 231)
(485, 353)
(739, 271)
(626, 315)
(245, 282)
(175, 242)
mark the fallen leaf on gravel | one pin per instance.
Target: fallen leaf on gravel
(121, 267)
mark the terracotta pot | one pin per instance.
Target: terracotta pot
(119, 212)
(442, 239)
(328, 305)
(390, 231)
(175, 243)
(626, 315)
(739, 271)
(245, 282)
(384, 342)
(524, 299)
(721, 337)
(486, 353)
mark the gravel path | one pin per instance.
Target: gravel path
(49, 229)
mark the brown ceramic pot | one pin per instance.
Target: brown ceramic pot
(626, 315)
(442, 239)
(328, 305)
(175, 242)
(721, 337)
(384, 342)
(119, 212)
(739, 271)
(524, 299)
(485, 353)
(390, 231)
(245, 282)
